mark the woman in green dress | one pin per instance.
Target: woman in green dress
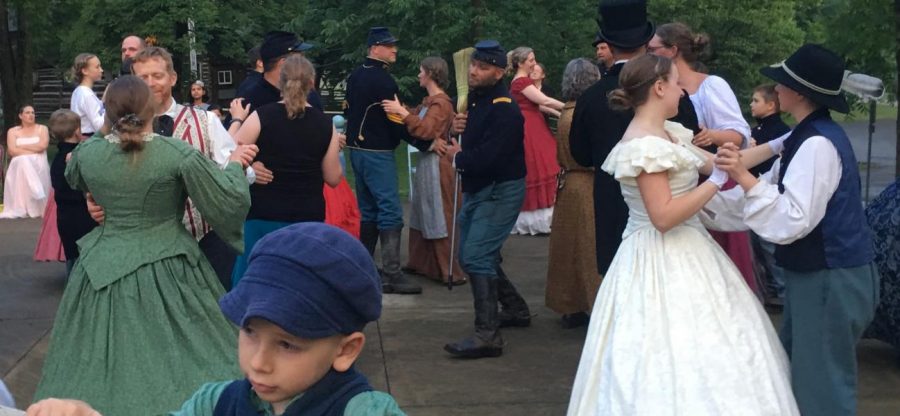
(138, 328)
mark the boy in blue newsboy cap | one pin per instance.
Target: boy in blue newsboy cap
(308, 292)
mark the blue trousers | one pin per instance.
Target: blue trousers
(825, 314)
(765, 254)
(485, 220)
(254, 230)
(377, 189)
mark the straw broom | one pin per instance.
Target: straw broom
(461, 65)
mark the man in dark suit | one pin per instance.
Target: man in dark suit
(596, 128)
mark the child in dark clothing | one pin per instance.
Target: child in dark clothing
(309, 290)
(765, 109)
(72, 218)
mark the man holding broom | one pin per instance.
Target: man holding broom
(492, 168)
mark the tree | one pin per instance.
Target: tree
(15, 61)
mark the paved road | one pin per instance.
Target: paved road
(404, 355)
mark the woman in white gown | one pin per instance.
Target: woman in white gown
(675, 330)
(27, 183)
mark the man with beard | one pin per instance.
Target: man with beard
(492, 168)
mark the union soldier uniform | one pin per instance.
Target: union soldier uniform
(492, 168)
(373, 135)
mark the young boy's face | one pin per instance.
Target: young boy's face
(280, 365)
(759, 107)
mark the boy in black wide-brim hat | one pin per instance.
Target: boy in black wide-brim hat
(809, 205)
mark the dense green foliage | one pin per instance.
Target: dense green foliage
(746, 34)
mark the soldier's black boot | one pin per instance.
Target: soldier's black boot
(487, 341)
(514, 310)
(394, 280)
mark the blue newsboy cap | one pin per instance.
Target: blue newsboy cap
(278, 43)
(380, 36)
(311, 279)
(490, 51)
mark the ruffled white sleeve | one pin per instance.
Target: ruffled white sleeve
(649, 154)
(720, 109)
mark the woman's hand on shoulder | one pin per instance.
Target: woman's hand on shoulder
(394, 106)
(238, 109)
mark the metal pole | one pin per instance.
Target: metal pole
(869, 156)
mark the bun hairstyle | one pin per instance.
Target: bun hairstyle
(81, 62)
(515, 57)
(693, 47)
(296, 80)
(436, 68)
(636, 79)
(129, 110)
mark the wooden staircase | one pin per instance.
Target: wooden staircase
(53, 92)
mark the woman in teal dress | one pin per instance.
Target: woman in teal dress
(138, 327)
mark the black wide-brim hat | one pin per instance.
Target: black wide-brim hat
(624, 23)
(815, 73)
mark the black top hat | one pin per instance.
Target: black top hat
(380, 36)
(597, 39)
(814, 72)
(625, 23)
(489, 51)
(278, 43)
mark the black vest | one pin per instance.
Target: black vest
(328, 397)
(842, 239)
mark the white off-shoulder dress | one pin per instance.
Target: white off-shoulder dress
(675, 330)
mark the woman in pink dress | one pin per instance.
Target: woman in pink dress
(540, 146)
(27, 185)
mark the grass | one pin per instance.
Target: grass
(402, 170)
(882, 112)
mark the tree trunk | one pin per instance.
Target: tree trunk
(24, 63)
(8, 75)
(897, 58)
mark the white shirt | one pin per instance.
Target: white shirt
(86, 104)
(782, 218)
(221, 142)
(718, 109)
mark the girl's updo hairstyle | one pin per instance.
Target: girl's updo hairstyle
(129, 109)
(81, 62)
(296, 81)
(637, 77)
(516, 57)
(437, 70)
(693, 47)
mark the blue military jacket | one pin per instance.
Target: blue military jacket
(493, 148)
(368, 126)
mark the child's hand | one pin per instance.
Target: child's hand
(60, 407)
(68, 157)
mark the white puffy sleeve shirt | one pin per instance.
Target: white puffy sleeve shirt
(718, 109)
(86, 104)
(782, 218)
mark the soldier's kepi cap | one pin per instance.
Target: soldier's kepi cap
(278, 43)
(380, 35)
(311, 279)
(490, 52)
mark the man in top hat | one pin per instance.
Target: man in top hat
(372, 134)
(808, 204)
(604, 55)
(491, 163)
(596, 128)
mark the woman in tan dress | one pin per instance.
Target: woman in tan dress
(572, 278)
(431, 210)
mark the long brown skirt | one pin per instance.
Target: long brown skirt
(431, 258)
(572, 277)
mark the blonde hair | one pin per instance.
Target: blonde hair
(81, 62)
(152, 52)
(296, 81)
(129, 109)
(515, 57)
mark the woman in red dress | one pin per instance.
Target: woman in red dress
(540, 146)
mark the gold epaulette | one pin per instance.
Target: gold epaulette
(502, 100)
(395, 118)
